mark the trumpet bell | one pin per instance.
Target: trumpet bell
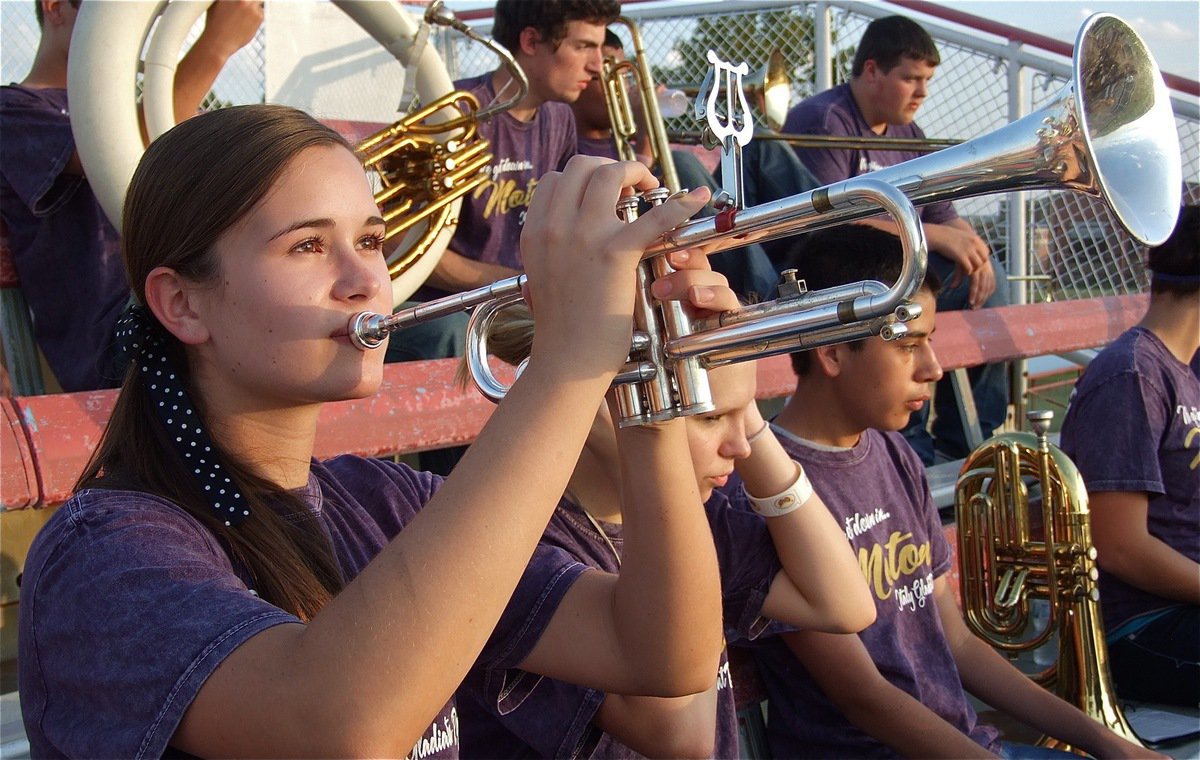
(1125, 117)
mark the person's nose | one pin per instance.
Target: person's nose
(595, 63)
(358, 276)
(735, 444)
(929, 369)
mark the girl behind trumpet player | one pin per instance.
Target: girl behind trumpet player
(509, 709)
(212, 590)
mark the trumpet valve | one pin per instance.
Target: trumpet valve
(627, 208)
(658, 196)
(791, 286)
(907, 312)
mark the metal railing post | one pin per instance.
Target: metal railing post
(1018, 228)
(823, 43)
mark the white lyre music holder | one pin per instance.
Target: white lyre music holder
(730, 126)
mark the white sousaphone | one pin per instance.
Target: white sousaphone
(106, 56)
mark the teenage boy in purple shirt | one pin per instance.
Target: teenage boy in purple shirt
(66, 252)
(892, 67)
(1133, 429)
(895, 689)
(557, 44)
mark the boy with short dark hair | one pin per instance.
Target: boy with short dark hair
(896, 688)
(893, 65)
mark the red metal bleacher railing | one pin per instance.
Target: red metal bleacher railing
(48, 439)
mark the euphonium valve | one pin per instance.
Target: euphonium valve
(426, 162)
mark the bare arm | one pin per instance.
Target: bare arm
(658, 622)
(228, 27)
(455, 273)
(371, 670)
(821, 586)
(844, 670)
(1126, 548)
(654, 727)
(993, 679)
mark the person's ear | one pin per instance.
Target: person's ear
(53, 11)
(172, 300)
(829, 359)
(528, 40)
(870, 69)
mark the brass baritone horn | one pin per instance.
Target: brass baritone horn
(431, 158)
(1005, 565)
(1110, 134)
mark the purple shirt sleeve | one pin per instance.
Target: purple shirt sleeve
(37, 145)
(66, 253)
(161, 608)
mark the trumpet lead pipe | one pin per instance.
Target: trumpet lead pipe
(370, 330)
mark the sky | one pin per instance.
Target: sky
(1169, 27)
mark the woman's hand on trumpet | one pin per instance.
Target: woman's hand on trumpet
(581, 260)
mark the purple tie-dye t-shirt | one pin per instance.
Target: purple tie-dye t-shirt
(489, 225)
(510, 713)
(878, 493)
(129, 604)
(1133, 424)
(835, 113)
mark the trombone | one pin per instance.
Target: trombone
(621, 111)
(1110, 134)
(770, 89)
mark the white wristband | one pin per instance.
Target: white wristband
(788, 500)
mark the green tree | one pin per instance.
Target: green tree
(751, 37)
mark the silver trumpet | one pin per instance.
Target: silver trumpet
(1110, 133)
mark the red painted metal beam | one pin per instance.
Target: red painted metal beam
(47, 440)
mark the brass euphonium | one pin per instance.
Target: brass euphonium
(1012, 552)
(432, 157)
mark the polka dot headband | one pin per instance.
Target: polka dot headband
(142, 341)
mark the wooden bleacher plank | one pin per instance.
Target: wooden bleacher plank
(18, 475)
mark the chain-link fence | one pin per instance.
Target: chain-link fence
(1073, 243)
(1075, 248)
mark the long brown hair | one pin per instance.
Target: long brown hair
(193, 183)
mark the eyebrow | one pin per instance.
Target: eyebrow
(322, 223)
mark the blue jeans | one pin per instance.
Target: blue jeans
(1158, 663)
(989, 382)
(437, 339)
